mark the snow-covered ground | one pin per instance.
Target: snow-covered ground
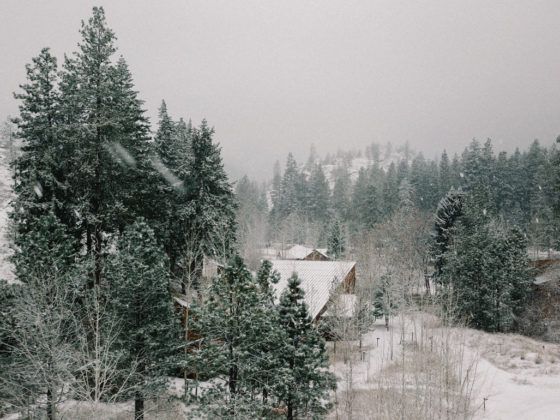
(519, 377)
(516, 378)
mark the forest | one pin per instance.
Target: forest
(113, 221)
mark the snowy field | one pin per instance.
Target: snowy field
(515, 377)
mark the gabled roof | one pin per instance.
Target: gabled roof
(317, 279)
(297, 252)
(323, 251)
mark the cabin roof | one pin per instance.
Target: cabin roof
(297, 252)
(317, 279)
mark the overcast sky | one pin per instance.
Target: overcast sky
(276, 76)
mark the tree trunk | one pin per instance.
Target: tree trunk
(290, 412)
(139, 408)
(98, 191)
(89, 248)
(50, 404)
(98, 266)
(265, 394)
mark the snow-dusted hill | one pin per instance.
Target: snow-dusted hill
(354, 165)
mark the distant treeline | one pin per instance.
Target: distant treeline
(520, 188)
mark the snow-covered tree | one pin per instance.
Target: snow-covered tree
(241, 341)
(487, 271)
(306, 381)
(449, 210)
(105, 138)
(149, 335)
(210, 204)
(336, 241)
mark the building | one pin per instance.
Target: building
(318, 280)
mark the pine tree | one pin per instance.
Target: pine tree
(390, 189)
(105, 140)
(39, 173)
(289, 203)
(172, 144)
(341, 195)
(241, 343)
(269, 346)
(276, 184)
(140, 300)
(336, 242)
(319, 195)
(306, 380)
(489, 273)
(445, 178)
(210, 206)
(403, 170)
(365, 202)
(449, 210)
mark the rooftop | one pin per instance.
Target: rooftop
(317, 279)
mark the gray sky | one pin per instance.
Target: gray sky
(276, 76)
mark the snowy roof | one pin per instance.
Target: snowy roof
(317, 279)
(297, 252)
(322, 251)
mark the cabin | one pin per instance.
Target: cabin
(319, 279)
(301, 252)
(317, 254)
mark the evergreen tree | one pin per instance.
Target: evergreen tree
(405, 196)
(488, 271)
(445, 177)
(241, 343)
(390, 190)
(172, 144)
(449, 210)
(39, 173)
(457, 175)
(269, 346)
(307, 381)
(505, 195)
(336, 242)
(276, 184)
(210, 207)
(403, 170)
(424, 179)
(365, 202)
(140, 299)
(105, 140)
(478, 164)
(341, 194)
(319, 195)
(288, 203)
